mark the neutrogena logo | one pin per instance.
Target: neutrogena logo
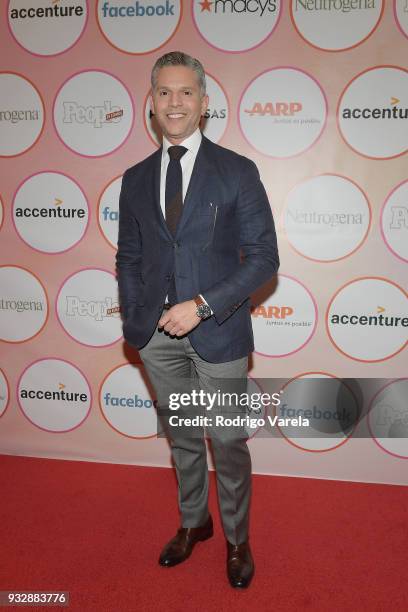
(15, 116)
(240, 7)
(343, 6)
(22, 305)
(333, 219)
(392, 111)
(137, 9)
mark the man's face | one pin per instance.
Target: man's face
(177, 102)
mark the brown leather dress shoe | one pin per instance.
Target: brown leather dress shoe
(181, 546)
(240, 565)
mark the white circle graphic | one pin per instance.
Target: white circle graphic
(127, 403)
(326, 217)
(336, 25)
(235, 25)
(213, 123)
(4, 393)
(326, 402)
(401, 15)
(50, 212)
(394, 221)
(108, 211)
(23, 304)
(138, 27)
(286, 321)
(388, 418)
(47, 28)
(21, 114)
(367, 319)
(373, 112)
(88, 308)
(282, 112)
(93, 113)
(54, 395)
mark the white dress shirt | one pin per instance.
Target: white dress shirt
(192, 144)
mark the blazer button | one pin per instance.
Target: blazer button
(176, 245)
(168, 276)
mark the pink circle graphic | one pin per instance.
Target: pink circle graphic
(81, 190)
(78, 370)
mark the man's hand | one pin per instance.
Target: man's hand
(180, 319)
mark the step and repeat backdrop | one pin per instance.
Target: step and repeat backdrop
(316, 93)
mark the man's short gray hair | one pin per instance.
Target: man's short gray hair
(178, 58)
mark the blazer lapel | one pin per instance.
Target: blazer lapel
(199, 178)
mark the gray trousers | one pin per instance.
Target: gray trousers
(173, 366)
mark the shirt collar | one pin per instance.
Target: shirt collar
(192, 143)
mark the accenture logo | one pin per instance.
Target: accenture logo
(368, 331)
(138, 9)
(378, 319)
(388, 112)
(54, 395)
(47, 27)
(257, 7)
(343, 6)
(48, 222)
(61, 395)
(45, 12)
(370, 118)
(57, 211)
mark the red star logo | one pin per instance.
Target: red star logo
(205, 6)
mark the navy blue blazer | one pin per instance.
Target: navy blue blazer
(225, 248)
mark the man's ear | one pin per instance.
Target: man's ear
(204, 104)
(152, 103)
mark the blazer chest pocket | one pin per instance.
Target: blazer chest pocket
(208, 215)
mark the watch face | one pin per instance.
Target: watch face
(203, 311)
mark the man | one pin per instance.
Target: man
(196, 238)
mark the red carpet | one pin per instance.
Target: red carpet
(96, 530)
